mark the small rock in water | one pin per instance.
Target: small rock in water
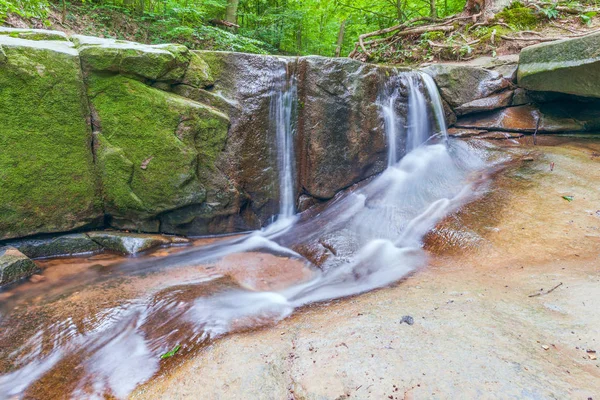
(408, 319)
(37, 278)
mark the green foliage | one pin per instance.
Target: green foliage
(518, 16)
(434, 35)
(550, 12)
(171, 353)
(24, 8)
(586, 18)
(265, 26)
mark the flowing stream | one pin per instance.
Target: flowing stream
(104, 334)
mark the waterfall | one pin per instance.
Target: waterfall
(283, 105)
(369, 237)
(436, 105)
(421, 91)
(392, 125)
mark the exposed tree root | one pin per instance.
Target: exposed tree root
(457, 27)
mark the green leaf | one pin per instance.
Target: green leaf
(568, 198)
(170, 353)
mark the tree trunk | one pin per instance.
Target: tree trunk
(487, 8)
(299, 40)
(432, 9)
(399, 12)
(231, 12)
(340, 40)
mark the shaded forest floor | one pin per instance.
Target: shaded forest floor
(464, 37)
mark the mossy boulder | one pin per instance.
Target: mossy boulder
(64, 245)
(14, 265)
(33, 34)
(567, 66)
(165, 62)
(47, 177)
(155, 151)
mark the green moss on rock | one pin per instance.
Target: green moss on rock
(14, 265)
(155, 150)
(65, 245)
(33, 34)
(47, 180)
(131, 243)
(166, 62)
(518, 16)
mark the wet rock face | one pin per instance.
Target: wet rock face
(241, 86)
(566, 66)
(492, 102)
(341, 138)
(14, 265)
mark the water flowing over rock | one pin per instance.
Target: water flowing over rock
(105, 133)
(367, 237)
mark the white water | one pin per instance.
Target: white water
(283, 102)
(375, 232)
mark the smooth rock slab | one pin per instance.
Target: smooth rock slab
(464, 133)
(166, 62)
(460, 84)
(133, 243)
(14, 265)
(520, 119)
(33, 34)
(493, 102)
(66, 245)
(568, 66)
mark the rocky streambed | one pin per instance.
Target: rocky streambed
(484, 324)
(504, 307)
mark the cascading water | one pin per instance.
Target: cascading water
(405, 135)
(282, 112)
(366, 238)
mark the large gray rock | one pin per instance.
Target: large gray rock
(499, 100)
(14, 265)
(241, 86)
(566, 66)
(460, 84)
(165, 62)
(546, 118)
(341, 139)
